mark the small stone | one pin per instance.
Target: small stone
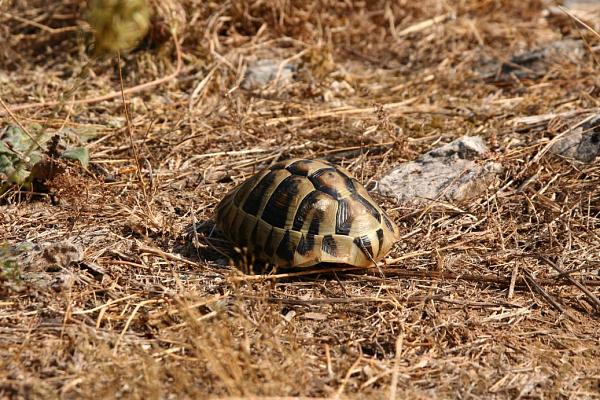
(448, 172)
(289, 315)
(216, 174)
(583, 144)
(338, 92)
(93, 269)
(535, 63)
(62, 281)
(465, 148)
(263, 72)
(317, 316)
(60, 255)
(58, 282)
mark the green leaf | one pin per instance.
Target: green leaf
(80, 154)
(19, 175)
(80, 134)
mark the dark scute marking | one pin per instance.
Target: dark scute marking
(286, 249)
(329, 245)
(319, 184)
(299, 167)
(388, 223)
(269, 245)
(306, 245)
(351, 186)
(315, 223)
(278, 166)
(368, 206)
(348, 182)
(252, 203)
(364, 243)
(343, 218)
(276, 210)
(379, 239)
(320, 172)
(304, 208)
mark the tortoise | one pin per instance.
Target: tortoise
(301, 212)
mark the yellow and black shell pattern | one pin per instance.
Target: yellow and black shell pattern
(298, 213)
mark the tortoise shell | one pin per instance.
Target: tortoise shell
(298, 213)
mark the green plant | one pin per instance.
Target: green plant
(10, 269)
(20, 152)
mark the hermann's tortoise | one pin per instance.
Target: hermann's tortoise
(298, 213)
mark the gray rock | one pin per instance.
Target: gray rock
(45, 265)
(583, 144)
(466, 148)
(263, 72)
(446, 173)
(535, 63)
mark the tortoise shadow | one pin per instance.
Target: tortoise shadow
(203, 242)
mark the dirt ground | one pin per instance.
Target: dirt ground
(125, 291)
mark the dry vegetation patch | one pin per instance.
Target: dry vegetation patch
(110, 286)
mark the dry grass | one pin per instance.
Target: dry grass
(148, 315)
